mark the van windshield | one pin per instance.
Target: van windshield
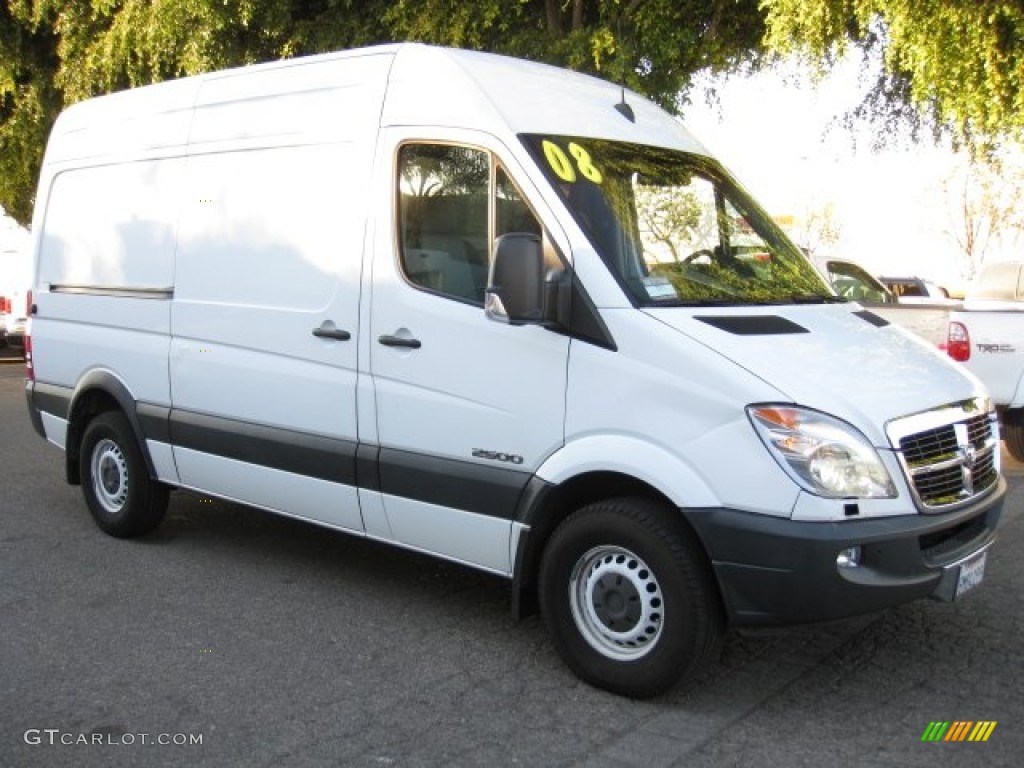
(674, 228)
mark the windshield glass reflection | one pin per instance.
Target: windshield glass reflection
(674, 228)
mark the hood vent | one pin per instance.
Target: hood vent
(871, 317)
(753, 325)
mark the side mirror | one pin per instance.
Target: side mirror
(515, 288)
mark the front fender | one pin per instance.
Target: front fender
(633, 457)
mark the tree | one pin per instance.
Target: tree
(960, 62)
(53, 53)
(818, 229)
(983, 207)
(652, 46)
(958, 66)
(669, 217)
(29, 100)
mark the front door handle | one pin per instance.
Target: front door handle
(399, 341)
(332, 333)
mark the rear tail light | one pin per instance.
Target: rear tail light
(30, 372)
(5, 305)
(958, 344)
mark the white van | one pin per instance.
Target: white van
(504, 314)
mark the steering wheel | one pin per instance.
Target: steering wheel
(703, 255)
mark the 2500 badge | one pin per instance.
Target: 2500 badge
(511, 458)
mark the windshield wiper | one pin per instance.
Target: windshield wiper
(817, 298)
(730, 302)
(742, 301)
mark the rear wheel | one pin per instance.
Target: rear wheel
(628, 597)
(122, 498)
(1013, 429)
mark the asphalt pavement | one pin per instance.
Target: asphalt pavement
(232, 637)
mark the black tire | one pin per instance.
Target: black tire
(629, 598)
(123, 499)
(1013, 433)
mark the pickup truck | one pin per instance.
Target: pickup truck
(915, 290)
(927, 318)
(987, 336)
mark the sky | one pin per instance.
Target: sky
(778, 133)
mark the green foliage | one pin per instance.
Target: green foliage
(960, 63)
(53, 52)
(28, 102)
(653, 46)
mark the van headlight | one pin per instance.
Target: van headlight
(824, 455)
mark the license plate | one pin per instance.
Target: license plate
(971, 573)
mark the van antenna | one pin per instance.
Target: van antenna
(622, 107)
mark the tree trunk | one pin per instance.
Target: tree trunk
(554, 14)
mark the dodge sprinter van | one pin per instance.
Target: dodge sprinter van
(505, 314)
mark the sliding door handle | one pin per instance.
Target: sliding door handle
(399, 341)
(332, 333)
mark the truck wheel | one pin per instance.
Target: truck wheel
(628, 597)
(122, 498)
(1013, 428)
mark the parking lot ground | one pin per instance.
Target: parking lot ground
(278, 643)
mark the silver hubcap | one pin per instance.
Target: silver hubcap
(616, 603)
(109, 475)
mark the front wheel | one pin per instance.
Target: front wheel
(121, 497)
(628, 597)
(1013, 429)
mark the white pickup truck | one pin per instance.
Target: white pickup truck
(987, 335)
(927, 317)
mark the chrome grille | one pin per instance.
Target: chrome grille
(950, 455)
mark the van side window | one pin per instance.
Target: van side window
(442, 214)
(446, 196)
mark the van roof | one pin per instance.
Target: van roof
(445, 86)
(426, 85)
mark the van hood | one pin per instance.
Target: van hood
(840, 359)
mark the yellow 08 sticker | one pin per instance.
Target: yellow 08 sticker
(563, 166)
(584, 163)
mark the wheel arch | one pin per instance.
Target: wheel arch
(98, 391)
(545, 505)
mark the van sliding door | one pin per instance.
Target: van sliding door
(266, 310)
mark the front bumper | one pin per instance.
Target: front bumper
(780, 571)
